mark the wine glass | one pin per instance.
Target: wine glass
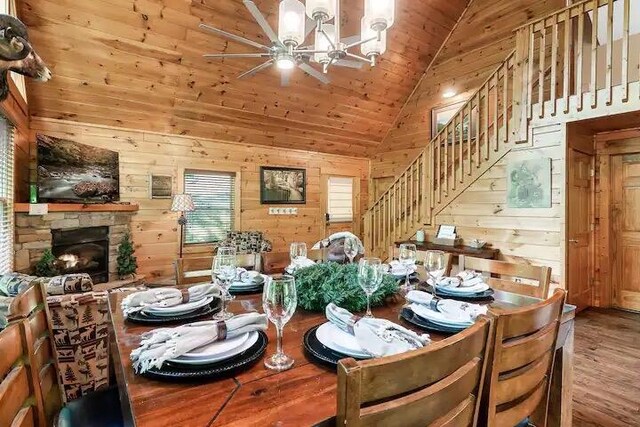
(297, 252)
(407, 258)
(434, 264)
(279, 302)
(224, 269)
(369, 278)
(351, 248)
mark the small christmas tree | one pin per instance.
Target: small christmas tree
(45, 267)
(127, 263)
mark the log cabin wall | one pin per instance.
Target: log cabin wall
(154, 227)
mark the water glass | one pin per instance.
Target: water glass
(434, 264)
(407, 257)
(370, 272)
(224, 269)
(297, 252)
(351, 248)
(279, 301)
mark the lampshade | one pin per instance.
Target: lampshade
(323, 44)
(379, 14)
(291, 22)
(373, 47)
(182, 203)
(325, 9)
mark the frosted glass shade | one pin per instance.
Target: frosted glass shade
(291, 22)
(380, 14)
(374, 47)
(323, 44)
(323, 7)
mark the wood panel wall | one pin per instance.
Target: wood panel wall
(480, 41)
(154, 227)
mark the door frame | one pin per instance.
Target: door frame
(607, 146)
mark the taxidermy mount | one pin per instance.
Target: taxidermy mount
(17, 54)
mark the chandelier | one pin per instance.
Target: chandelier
(297, 20)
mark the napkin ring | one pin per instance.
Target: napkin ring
(185, 295)
(352, 322)
(222, 330)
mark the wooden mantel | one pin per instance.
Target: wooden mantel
(81, 207)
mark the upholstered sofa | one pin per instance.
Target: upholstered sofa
(247, 242)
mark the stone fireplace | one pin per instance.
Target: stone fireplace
(82, 241)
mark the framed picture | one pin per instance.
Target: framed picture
(529, 183)
(441, 116)
(160, 186)
(283, 185)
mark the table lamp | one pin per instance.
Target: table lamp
(182, 203)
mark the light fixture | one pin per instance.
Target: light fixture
(379, 14)
(291, 22)
(449, 93)
(297, 21)
(182, 203)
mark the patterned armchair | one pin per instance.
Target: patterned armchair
(247, 242)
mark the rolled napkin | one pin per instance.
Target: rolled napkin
(399, 269)
(167, 297)
(164, 344)
(426, 299)
(469, 278)
(377, 337)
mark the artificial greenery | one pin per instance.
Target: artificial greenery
(127, 262)
(46, 266)
(322, 284)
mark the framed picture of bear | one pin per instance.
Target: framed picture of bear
(280, 185)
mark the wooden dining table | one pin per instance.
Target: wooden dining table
(305, 395)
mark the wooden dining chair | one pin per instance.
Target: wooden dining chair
(198, 269)
(440, 384)
(519, 373)
(506, 276)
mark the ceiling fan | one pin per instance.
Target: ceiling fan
(287, 50)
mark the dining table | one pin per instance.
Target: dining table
(304, 395)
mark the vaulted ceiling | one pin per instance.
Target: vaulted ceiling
(138, 64)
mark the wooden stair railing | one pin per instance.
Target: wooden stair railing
(477, 136)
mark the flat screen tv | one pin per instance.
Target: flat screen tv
(72, 172)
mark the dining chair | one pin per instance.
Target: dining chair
(506, 275)
(440, 384)
(521, 362)
(198, 269)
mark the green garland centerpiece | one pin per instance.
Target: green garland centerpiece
(321, 284)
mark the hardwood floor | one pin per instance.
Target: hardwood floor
(607, 369)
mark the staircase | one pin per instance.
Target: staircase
(544, 79)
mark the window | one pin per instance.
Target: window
(340, 199)
(214, 199)
(6, 196)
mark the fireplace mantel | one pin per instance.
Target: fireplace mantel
(80, 207)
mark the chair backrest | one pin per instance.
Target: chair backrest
(394, 253)
(198, 269)
(29, 309)
(440, 384)
(504, 275)
(276, 262)
(519, 372)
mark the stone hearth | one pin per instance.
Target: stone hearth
(33, 234)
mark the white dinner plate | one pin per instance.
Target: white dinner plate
(336, 339)
(215, 348)
(457, 309)
(250, 339)
(178, 309)
(440, 318)
(476, 289)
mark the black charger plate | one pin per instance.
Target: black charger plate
(149, 319)
(408, 315)
(482, 296)
(176, 372)
(319, 353)
(247, 291)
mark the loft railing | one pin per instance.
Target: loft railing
(580, 57)
(474, 139)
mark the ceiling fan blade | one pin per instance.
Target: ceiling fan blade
(233, 36)
(314, 73)
(237, 55)
(349, 64)
(257, 69)
(260, 19)
(284, 78)
(350, 40)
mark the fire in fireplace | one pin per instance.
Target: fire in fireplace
(82, 250)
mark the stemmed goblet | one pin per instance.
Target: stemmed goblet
(279, 301)
(407, 258)
(370, 274)
(351, 248)
(224, 272)
(434, 265)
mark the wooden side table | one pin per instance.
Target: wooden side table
(486, 253)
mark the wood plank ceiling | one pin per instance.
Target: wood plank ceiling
(138, 64)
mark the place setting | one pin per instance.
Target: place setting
(247, 282)
(466, 286)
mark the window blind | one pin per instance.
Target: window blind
(214, 198)
(340, 199)
(6, 196)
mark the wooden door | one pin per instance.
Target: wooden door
(579, 229)
(625, 232)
